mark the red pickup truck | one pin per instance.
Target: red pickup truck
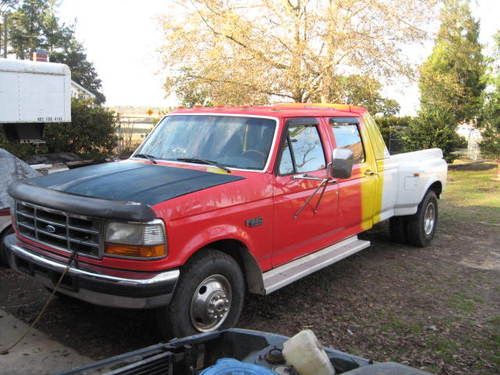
(218, 202)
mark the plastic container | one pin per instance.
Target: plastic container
(305, 353)
(229, 366)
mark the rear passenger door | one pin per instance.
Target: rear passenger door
(355, 193)
(301, 227)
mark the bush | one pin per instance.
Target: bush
(392, 129)
(435, 129)
(490, 146)
(21, 150)
(489, 121)
(91, 133)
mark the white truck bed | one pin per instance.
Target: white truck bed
(407, 177)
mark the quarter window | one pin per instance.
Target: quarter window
(347, 136)
(302, 151)
(286, 164)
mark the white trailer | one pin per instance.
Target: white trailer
(34, 92)
(31, 94)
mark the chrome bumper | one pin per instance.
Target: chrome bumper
(90, 286)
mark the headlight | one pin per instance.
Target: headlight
(137, 240)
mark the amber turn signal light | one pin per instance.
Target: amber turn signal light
(136, 251)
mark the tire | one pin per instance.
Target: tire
(212, 280)
(398, 227)
(422, 225)
(3, 258)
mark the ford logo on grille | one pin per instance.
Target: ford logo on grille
(50, 228)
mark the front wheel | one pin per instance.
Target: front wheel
(422, 225)
(209, 296)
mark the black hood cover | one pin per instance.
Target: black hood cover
(132, 181)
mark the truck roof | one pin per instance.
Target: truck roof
(281, 110)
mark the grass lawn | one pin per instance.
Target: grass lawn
(472, 195)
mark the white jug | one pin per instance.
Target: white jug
(305, 353)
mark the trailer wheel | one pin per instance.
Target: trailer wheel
(398, 227)
(3, 258)
(209, 296)
(422, 225)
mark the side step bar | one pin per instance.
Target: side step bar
(288, 273)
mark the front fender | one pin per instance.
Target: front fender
(241, 243)
(211, 234)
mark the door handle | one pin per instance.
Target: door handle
(369, 172)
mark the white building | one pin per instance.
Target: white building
(473, 137)
(80, 92)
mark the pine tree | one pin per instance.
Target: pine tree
(452, 78)
(34, 24)
(452, 81)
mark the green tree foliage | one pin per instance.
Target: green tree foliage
(451, 79)
(451, 82)
(432, 129)
(91, 133)
(34, 24)
(490, 117)
(392, 129)
(21, 150)
(82, 71)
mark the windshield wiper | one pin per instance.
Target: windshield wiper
(151, 158)
(205, 161)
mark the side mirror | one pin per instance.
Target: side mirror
(341, 166)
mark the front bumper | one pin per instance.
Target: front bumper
(138, 290)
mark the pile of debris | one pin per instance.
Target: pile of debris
(59, 161)
(11, 169)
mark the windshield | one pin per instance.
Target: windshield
(238, 142)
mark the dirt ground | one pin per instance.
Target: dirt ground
(435, 308)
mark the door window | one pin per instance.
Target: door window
(347, 136)
(302, 151)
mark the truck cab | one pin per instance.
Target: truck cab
(219, 202)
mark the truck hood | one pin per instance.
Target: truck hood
(132, 181)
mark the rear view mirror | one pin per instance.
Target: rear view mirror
(342, 160)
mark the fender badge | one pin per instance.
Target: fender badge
(254, 222)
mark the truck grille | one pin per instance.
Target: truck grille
(59, 229)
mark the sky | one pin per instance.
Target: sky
(122, 38)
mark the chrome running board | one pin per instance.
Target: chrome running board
(288, 273)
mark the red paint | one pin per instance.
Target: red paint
(198, 219)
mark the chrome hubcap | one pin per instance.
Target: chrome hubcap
(429, 218)
(211, 303)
